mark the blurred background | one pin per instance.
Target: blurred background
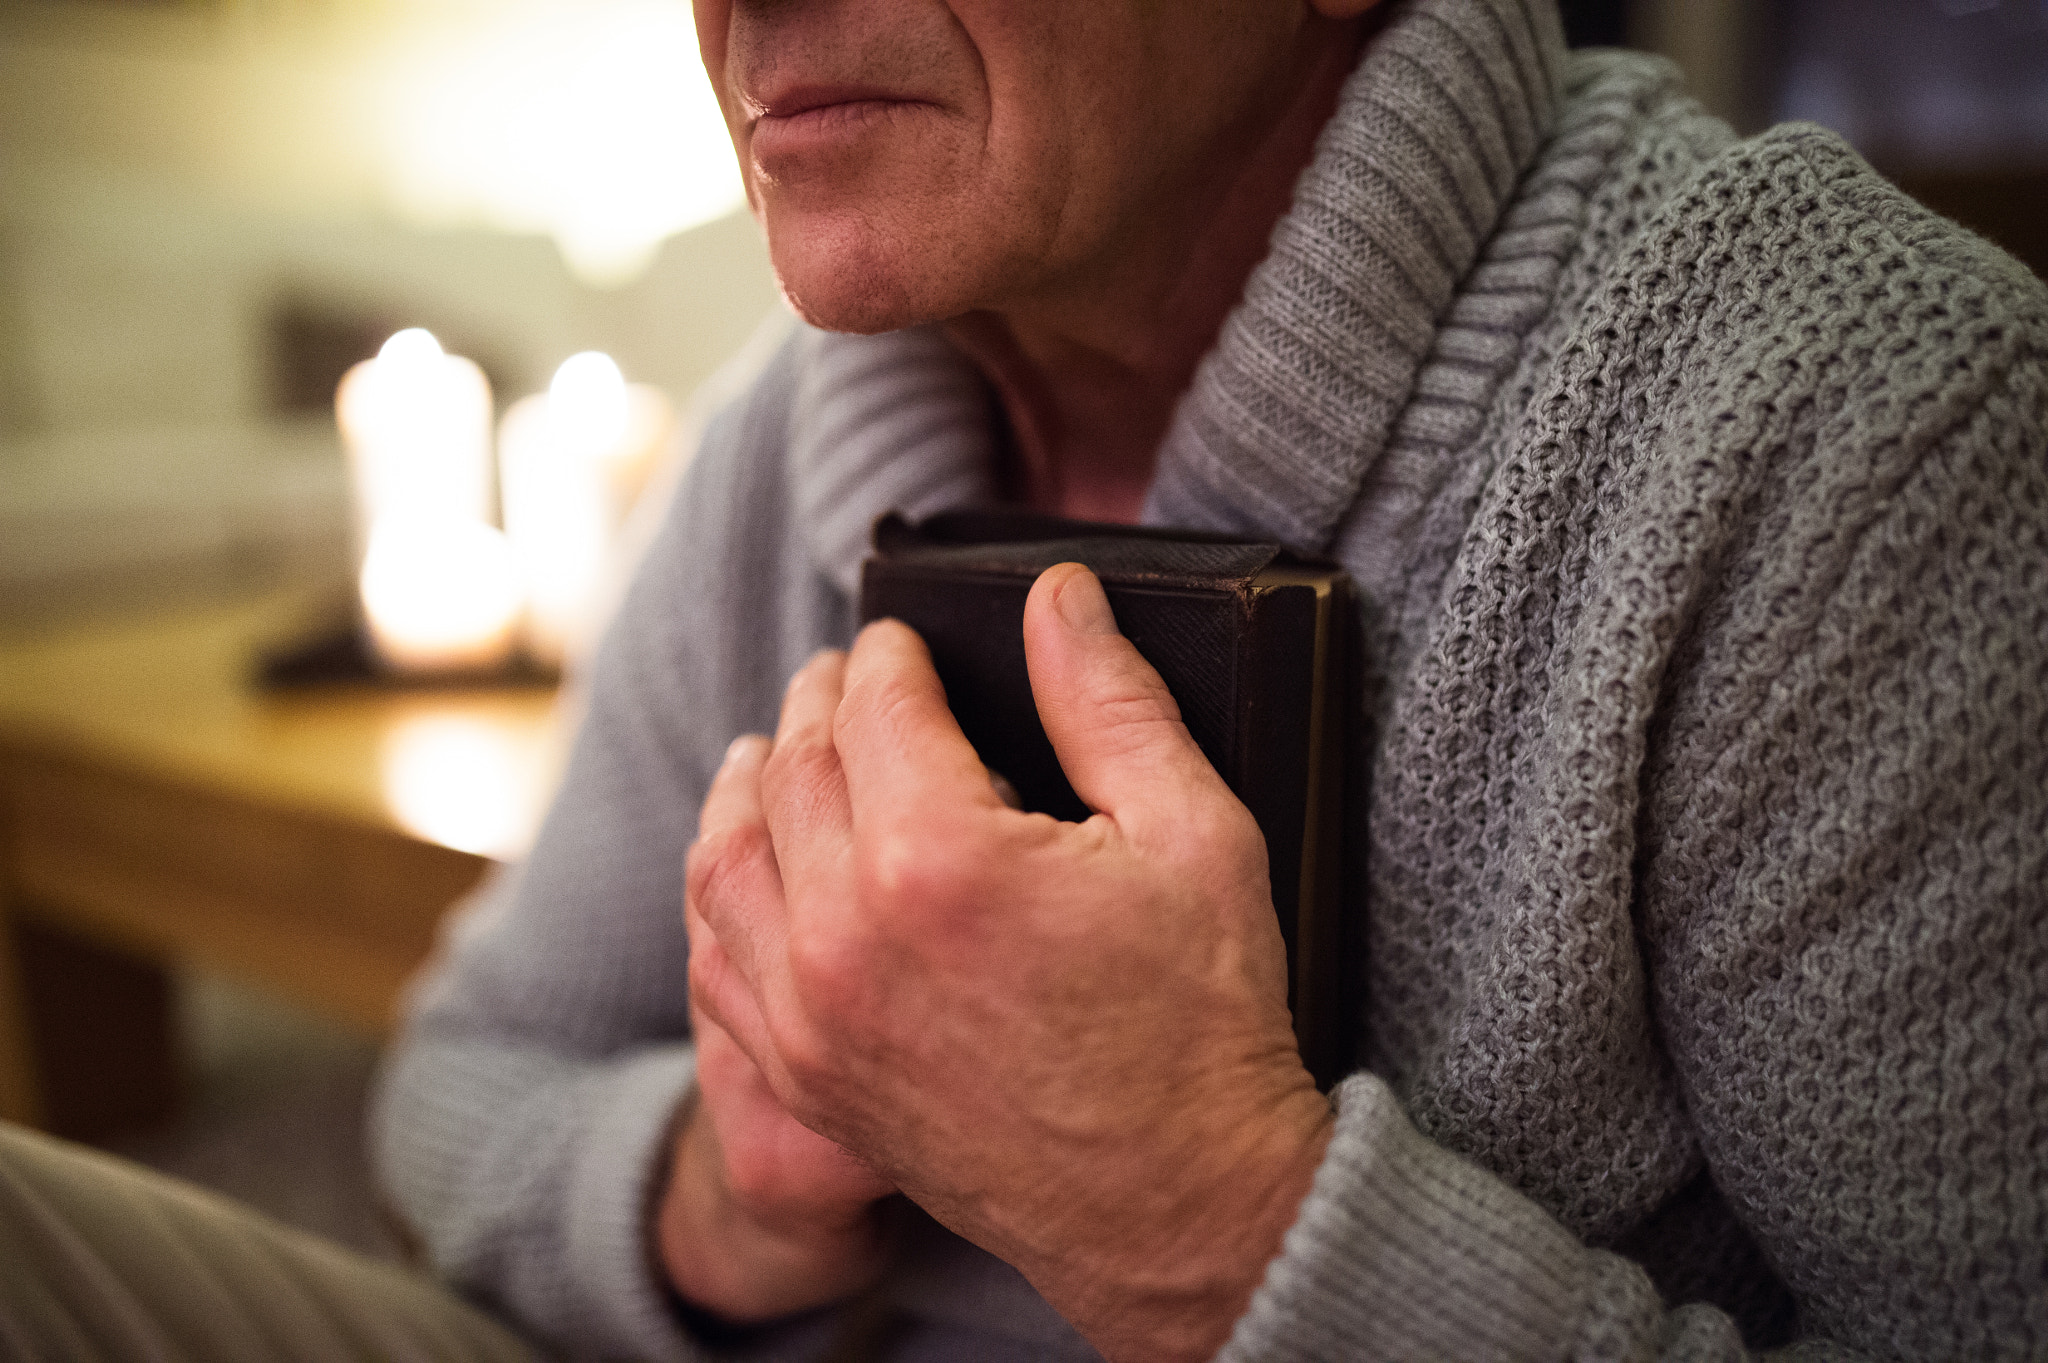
(211, 209)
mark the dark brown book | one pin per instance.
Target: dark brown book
(1255, 645)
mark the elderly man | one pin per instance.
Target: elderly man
(1696, 494)
(1695, 491)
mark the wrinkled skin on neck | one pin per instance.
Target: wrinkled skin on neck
(1078, 188)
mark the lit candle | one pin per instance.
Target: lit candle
(417, 424)
(440, 594)
(438, 587)
(621, 427)
(572, 463)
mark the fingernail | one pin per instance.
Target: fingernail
(732, 751)
(1083, 606)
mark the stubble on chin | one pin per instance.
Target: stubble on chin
(864, 276)
(911, 259)
(855, 294)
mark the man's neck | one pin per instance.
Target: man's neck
(1089, 380)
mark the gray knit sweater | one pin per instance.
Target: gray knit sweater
(1698, 494)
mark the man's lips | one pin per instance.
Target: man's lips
(794, 101)
(814, 119)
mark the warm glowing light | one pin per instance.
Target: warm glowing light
(417, 423)
(412, 351)
(571, 465)
(558, 521)
(590, 120)
(440, 594)
(587, 404)
(463, 781)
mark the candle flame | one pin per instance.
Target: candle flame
(411, 350)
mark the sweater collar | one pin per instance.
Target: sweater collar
(1290, 411)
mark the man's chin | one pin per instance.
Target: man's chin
(853, 291)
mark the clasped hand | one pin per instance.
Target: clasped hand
(1069, 1043)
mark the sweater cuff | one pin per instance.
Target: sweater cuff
(1404, 1250)
(613, 1183)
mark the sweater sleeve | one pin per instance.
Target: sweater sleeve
(1843, 914)
(524, 1119)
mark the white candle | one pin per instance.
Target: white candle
(438, 588)
(571, 464)
(417, 423)
(440, 593)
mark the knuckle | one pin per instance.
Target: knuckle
(1135, 712)
(719, 858)
(801, 762)
(1137, 695)
(707, 981)
(753, 1171)
(701, 972)
(883, 700)
(1228, 826)
(903, 872)
(869, 702)
(1217, 830)
(831, 975)
(810, 1067)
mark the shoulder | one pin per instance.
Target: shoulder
(1789, 248)
(1775, 295)
(1775, 350)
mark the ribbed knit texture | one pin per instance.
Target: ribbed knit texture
(1698, 492)
(1409, 179)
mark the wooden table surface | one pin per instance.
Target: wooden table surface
(307, 840)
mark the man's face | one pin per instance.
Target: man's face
(916, 159)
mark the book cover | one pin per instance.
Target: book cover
(1254, 643)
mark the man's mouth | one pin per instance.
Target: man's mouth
(810, 119)
(798, 100)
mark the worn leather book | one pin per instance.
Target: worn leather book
(1255, 645)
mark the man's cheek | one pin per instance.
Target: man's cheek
(713, 20)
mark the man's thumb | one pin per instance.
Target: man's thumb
(1113, 723)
